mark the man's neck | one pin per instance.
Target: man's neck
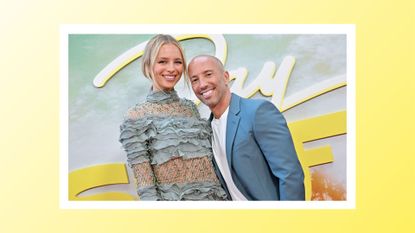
(221, 107)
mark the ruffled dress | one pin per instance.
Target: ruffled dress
(168, 148)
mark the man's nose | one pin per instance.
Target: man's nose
(203, 84)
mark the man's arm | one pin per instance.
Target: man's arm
(274, 138)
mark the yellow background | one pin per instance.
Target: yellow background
(29, 125)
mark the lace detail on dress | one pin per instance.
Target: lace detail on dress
(143, 174)
(175, 109)
(179, 170)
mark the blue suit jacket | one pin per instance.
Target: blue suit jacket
(260, 152)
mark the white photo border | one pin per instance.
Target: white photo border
(347, 29)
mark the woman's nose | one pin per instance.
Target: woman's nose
(170, 66)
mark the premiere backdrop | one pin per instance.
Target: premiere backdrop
(303, 75)
(29, 135)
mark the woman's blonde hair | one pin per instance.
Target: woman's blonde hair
(151, 51)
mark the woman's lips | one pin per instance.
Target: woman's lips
(170, 77)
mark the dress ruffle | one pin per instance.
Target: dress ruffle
(134, 137)
(148, 193)
(165, 137)
(192, 192)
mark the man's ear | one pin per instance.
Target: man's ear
(226, 75)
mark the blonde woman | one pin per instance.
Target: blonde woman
(167, 143)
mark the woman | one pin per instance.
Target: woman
(166, 141)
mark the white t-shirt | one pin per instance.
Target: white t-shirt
(219, 152)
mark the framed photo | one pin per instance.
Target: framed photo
(306, 71)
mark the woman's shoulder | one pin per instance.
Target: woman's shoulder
(187, 102)
(191, 106)
(137, 111)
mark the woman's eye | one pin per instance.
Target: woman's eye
(162, 62)
(179, 62)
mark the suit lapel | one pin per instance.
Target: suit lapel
(232, 126)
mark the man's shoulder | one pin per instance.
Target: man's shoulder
(250, 103)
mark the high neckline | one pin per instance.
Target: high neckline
(162, 96)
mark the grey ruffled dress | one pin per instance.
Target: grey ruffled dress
(168, 148)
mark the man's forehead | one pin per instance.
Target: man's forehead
(204, 63)
(203, 60)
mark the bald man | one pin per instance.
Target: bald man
(254, 156)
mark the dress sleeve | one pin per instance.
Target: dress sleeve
(135, 133)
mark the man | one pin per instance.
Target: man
(254, 154)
